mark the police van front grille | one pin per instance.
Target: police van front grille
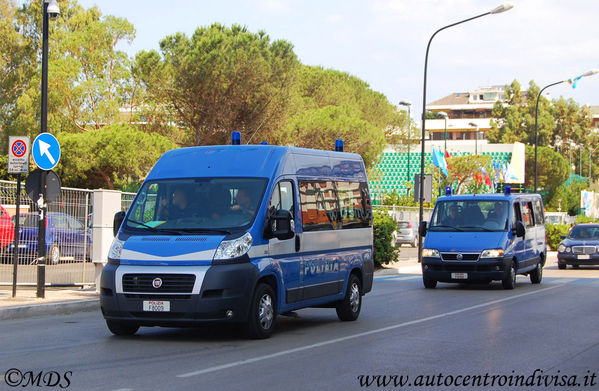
(583, 249)
(171, 283)
(456, 256)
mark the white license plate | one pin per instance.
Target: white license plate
(459, 276)
(583, 256)
(157, 305)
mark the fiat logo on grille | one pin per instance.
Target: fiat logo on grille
(459, 257)
(157, 283)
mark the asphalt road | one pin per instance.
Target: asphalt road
(404, 330)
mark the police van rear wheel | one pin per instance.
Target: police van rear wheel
(349, 308)
(122, 328)
(262, 316)
(537, 275)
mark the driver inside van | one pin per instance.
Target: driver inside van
(179, 205)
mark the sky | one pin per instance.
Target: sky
(383, 42)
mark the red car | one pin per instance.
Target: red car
(7, 229)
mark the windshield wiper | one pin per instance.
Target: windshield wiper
(154, 229)
(205, 230)
(479, 227)
(446, 226)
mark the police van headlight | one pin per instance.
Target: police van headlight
(235, 248)
(493, 253)
(430, 252)
(115, 251)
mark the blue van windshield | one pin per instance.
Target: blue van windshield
(470, 215)
(196, 205)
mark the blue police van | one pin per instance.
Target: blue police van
(241, 233)
(484, 237)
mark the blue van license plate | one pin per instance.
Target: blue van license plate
(459, 276)
(157, 305)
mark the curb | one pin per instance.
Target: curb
(44, 309)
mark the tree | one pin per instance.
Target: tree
(109, 157)
(222, 79)
(88, 79)
(552, 169)
(462, 171)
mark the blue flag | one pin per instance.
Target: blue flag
(439, 160)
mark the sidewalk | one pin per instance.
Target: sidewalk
(56, 302)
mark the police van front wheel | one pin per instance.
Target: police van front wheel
(429, 283)
(537, 275)
(349, 308)
(262, 316)
(122, 328)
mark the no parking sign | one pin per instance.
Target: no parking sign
(18, 154)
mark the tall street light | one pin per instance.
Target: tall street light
(475, 137)
(589, 73)
(408, 104)
(51, 10)
(444, 115)
(497, 10)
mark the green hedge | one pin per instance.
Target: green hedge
(554, 231)
(384, 251)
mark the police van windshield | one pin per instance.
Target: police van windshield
(470, 215)
(200, 205)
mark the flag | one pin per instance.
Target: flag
(447, 155)
(439, 160)
(574, 81)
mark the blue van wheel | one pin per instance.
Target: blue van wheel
(537, 275)
(122, 328)
(349, 308)
(509, 281)
(262, 316)
(429, 283)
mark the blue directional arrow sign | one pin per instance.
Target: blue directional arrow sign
(46, 151)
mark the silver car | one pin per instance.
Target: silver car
(406, 233)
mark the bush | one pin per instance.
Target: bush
(554, 231)
(384, 251)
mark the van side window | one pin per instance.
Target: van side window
(354, 204)
(282, 198)
(538, 210)
(527, 215)
(319, 205)
(516, 216)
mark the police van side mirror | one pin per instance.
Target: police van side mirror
(116, 223)
(520, 229)
(422, 228)
(281, 225)
(562, 236)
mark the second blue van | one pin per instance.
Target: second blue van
(241, 233)
(484, 237)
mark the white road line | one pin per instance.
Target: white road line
(363, 334)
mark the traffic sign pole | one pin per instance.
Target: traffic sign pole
(15, 259)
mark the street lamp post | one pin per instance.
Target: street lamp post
(50, 10)
(497, 10)
(408, 104)
(475, 137)
(444, 115)
(589, 73)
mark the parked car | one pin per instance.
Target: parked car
(7, 229)
(65, 237)
(407, 233)
(579, 247)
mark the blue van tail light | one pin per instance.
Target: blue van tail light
(235, 248)
(448, 190)
(339, 145)
(235, 138)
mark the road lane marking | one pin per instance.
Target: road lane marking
(359, 335)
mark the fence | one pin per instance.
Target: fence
(68, 236)
(405, 213)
